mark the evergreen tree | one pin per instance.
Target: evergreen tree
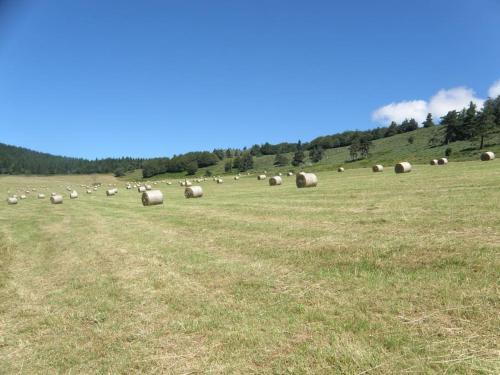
(280, 160)
(451, 122)
(192, 168)
(469, 122)
(428, 123)
(316, 154)
(485, 124)
(298, 157)
(228, 166)
(391, 130)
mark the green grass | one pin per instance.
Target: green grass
(386, 151)
(368, 273)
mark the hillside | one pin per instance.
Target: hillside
(386, 151)
(20, 160)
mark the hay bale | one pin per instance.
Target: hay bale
(111, 192)
(443, 161)
(89, 191)
(148, 187)
(152, 197)
(488, 155)
(378, 168)
(220, 181)
(41, 196)
(141, 189)
(193, 192)
(304, 180)
(289, 174)
(53, 194)
(276, 180)
(23, 196)
(434, 162)
(403, 167)
(56, 199)
(129, 187)
(341, 169)
(11, 200)
(188, 183)
(73, 194)
(280, 174)
(236, 178)
(261, 177)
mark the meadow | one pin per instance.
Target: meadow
(368, 273)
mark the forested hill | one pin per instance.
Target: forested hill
(477, 128)
(19, 160)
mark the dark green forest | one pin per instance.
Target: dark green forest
(468, 124)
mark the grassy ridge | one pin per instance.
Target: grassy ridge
(367, 272)
(386, 151)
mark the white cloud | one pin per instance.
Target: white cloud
(452, 99)
(398, 112)
(441, 103)
(494, 90)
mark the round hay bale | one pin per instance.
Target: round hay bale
(280, 174)
(220, 181)
(193, 192)
(188, 183)
(11, 200)
(289, 174)
(341, 169)
(22, 196)
(89, 191)
(276, 180)
(403, 167)
(434, 162)
(129, 187)
(73, 194)
(152, 197)
(378, 168)
(141, 189)
(261, 177)
(52, 194)
(148, 187)
(304, 180)
(443, 161)
(487, 156)
(41, 196)
(111, 192)
(56, 199)
(236, 178)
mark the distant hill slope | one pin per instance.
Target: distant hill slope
(20, 160)
(386, 151)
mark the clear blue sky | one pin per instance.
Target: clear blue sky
(98, 78)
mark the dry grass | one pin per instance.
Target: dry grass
(367, 273)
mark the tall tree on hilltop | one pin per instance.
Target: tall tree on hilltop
(428, 123)
(485, 124)
(451, 122)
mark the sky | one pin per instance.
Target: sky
(107, 78)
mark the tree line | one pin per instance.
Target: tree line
(19, 160)
(471, 124)
(467, 124)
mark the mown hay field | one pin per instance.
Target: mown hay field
(366, 273)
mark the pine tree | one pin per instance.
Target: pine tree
(451, 122)
(298, 157)
(280, 160)
(428, 123)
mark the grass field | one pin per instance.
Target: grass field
(368, 273)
